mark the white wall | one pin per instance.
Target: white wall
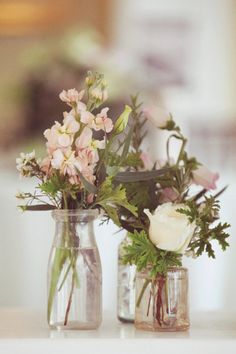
(207, 99)
(25, 239)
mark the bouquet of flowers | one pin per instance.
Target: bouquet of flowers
(78, 173)
(174, 217)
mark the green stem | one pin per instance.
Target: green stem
(69, 301)
(147, 281)
(65, 276)
(184, 141)
(65, 201)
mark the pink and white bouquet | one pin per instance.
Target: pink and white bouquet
(76, 172)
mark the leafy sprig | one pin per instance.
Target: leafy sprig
(208, 228)
(144, 254)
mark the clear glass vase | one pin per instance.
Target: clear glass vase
(162, 304)
(126, 287)
(74, 272)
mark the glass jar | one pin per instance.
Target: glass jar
(74, 272)
(162, 303)
(126, 287)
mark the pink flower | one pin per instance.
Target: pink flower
(45, 165)
(71, 96)
(157, 115)
(87, 157)
(102, 122)
(85, 139)
(70, 123)
(61, 136)
(205, 178)
(147, 162)
(65, 161)
(87, 118)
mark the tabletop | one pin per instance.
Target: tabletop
(26, 331)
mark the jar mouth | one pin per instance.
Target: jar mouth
(75, 214)
(170, 270)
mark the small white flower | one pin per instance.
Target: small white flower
(24, 163)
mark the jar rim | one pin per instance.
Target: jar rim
(82, 214)
(169, 270)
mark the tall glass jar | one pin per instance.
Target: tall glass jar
(74, 272)
(126, 287)
(162, 303)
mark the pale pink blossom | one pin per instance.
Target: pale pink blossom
(147, 162)
(65, 161)
(70, 124)
(87, 157)
(87, 173)
(87, 118)
(102, 122)
(45, 165)
(157, 115)
(61, 136)
(205, 178)
(79, 108)
(71, 96)
(85, 139)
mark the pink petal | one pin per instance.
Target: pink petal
(84, 139)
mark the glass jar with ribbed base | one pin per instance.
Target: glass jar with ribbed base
(162, 303)
(125, 287)
(74, 272)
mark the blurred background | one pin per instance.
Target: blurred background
(179, 54)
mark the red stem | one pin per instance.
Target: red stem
(159, 303)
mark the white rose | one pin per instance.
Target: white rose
(170, 230)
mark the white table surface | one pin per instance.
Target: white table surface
(23, 331)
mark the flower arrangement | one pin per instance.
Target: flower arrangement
(79, 170)
(75, 173)
(173, 218)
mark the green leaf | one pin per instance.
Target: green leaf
(112, 170)
(60, 257)
(110, 198)
(127, 144)
(122, 121)
(137, 176)
(143, 254)
(53, 185)
(91, 188)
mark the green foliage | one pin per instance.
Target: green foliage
(54, 184)
(208, 229)
(144, 254)
(142, 194)
(138, 124)
(60, 258)
(110, 197)
(131, 159)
